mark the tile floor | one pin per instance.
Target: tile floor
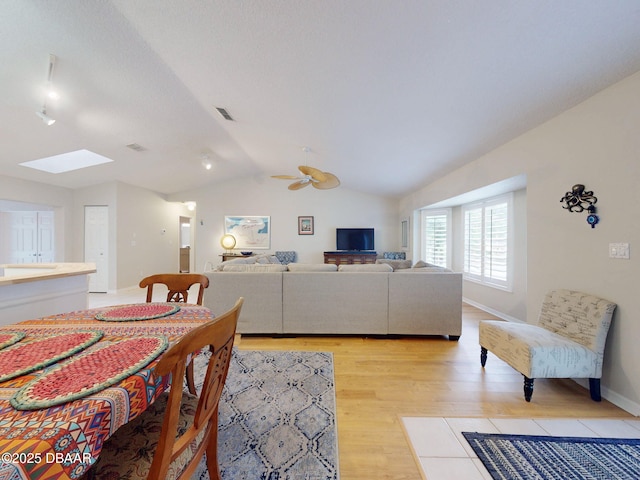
(442, 452)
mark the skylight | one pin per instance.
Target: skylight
(67, 162)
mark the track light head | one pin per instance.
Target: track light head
(44, 117)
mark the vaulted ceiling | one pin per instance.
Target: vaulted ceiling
(387, 94)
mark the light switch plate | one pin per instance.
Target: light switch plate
(619, 250)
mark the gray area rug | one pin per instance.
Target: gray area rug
(529, 457)
(277, 417)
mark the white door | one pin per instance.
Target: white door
(24, 237)
(46, 229)
(96, 243)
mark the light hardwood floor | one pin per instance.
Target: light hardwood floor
(380, 380)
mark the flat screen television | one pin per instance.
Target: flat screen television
(354, 239)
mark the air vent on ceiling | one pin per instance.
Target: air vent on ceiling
(224, 114)
(136, 147)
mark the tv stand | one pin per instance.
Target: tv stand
(350, 257)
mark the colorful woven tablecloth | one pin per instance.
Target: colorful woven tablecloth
(62, 441)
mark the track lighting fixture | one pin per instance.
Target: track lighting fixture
(51, 93)
(206, 161)
(45, 118)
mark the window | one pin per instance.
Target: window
(487, 225)
(435, 237)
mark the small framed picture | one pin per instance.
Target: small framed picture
(305, 225)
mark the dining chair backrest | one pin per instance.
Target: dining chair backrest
(178, 285)
(217, 337)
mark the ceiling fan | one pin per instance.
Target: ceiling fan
(311, 176)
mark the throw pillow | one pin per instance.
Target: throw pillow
(286, 257)
(396, 264)
(394, 255)
(421, 264)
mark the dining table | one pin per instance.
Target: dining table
(52, 425)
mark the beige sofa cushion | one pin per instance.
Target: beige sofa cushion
(373, 267)
(422, 263)
(428, 270)
(312, 267)
(266, 259)
(395, 264)
(256, 268)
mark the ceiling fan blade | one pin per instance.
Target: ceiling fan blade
(285, 177)
(331, 182)
(299, 185)
(316, 174)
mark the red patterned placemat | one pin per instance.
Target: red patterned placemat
(30, 356)
(137, 311)
(89, 373)
(9, 338)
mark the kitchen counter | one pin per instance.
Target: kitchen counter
(28, 272)
(29, 291)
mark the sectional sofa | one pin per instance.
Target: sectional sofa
(346, 300)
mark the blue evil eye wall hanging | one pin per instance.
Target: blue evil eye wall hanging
(579, 200)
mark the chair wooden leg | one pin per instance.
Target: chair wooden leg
(191, 384)
(212, 452)
(528, 388)
(483, 356)
(594, 388)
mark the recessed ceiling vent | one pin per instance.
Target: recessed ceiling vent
(224, 114)
(136, 147)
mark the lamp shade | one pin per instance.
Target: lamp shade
(228, 241)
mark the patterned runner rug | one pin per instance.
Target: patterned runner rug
(529, 457)
(277, 417)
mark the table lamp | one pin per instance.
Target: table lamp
(228, 241)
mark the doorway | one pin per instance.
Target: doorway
(185, 244)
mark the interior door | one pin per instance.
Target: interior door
(24, 237)
(96, 245)
(46, 229)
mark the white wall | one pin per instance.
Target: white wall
(144, 231)
(596, 144)
(339, 207)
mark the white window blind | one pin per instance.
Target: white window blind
(435, 237)
(486, 241)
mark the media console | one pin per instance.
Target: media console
(350, 257)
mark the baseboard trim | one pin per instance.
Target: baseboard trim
(618, 400)
(490, 310)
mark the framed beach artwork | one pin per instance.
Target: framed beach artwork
(305, 225)
(250, 232)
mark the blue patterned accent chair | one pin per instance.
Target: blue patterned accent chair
(286, 257)
(394, 255)
(567, 342)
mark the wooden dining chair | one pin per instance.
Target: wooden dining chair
(169, 438)
(178, 285)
